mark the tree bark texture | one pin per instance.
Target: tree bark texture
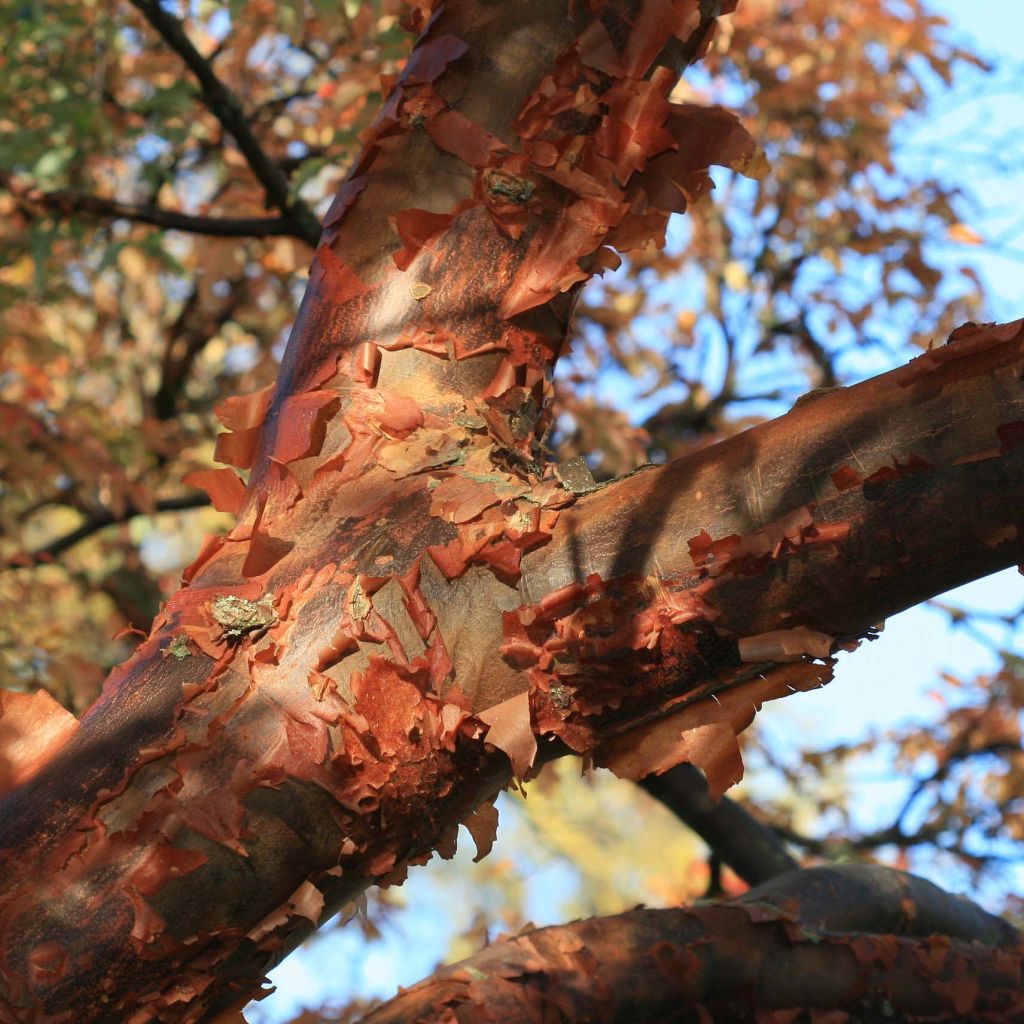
(862, 943)
(411, 601)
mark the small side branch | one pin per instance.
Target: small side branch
(225, 106)
(98, 521)
(191, 331)
(752, 850)
(67, 202)
(930, 830)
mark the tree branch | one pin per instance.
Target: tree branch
(225, 106)
(895, 833)
(753, 850)
(834, 462)
(808, 940)
(67, 202)
(192, 329)
(100, 520)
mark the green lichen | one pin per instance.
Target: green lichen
(179, 646)
(561, 696)
(510, 188)
(470, 420)
(575, 476)
(358, 603)
(521, 520)
(238, 616)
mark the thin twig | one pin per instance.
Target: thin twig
(895, 833)
(98, 521)
(188, 336)
(68, 202)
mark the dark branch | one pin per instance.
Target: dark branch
(829, 846)
(800, 331)
(68, 202)
(98, 521)
(895, 833)
(187, 337)
(225, 106)
(751, 849)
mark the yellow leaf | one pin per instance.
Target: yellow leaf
(964, 235)
(735, 276)
(132, 263)
(801, 65)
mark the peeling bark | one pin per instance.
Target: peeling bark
(411, 604)
(809, 940)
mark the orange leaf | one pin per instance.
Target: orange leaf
(964, 235)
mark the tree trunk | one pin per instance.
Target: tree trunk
(409, 601)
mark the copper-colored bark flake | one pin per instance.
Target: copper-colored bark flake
(510, 731)
(785, 645)
(224, 486)
(33, 728)
(483, 827)
(705, 732)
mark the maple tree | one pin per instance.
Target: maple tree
(412, 605)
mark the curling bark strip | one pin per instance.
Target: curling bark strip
(410, 598)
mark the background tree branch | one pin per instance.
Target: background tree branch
(753, 850)
(100, 520)
(68, 202)
(227, 108)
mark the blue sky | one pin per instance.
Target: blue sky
(884, 683)
(917, 643)
(974, 116)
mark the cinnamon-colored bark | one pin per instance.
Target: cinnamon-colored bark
(811, 940)
(410, 599)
